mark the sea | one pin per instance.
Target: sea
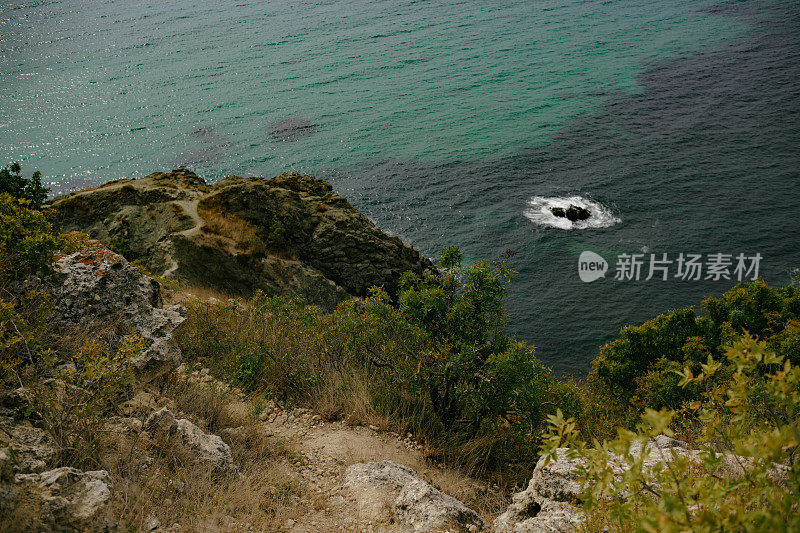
(675, 123)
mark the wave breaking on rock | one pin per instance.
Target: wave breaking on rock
(544, 211)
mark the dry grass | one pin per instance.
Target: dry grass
(244, 235)
(153, 478)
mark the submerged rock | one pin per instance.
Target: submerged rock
(291, 235)
(414, 503)
(291, 129)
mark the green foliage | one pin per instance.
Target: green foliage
(72, 406)
(69, 380)
(31, 189)
(440, 365)
(637, 368)
(275, 236)
(745, 475)
(27, 240)
(451, 257)
(479, 379)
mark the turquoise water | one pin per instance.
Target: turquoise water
(447, 122)
(101, 90)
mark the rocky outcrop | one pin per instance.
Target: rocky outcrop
(573, 213)
(99, 288)
(551, 503)
(291, 235)
(190, 442)
(387, 487)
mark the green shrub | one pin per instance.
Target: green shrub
(70, 380)
(477, 372)
(27, 240)
(440, 365)
(747, 412)
(637, 369)
(31, 189)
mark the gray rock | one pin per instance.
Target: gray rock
(548, 505)
(189, 440)
(32, 448)
(387, 489)
(69, 499)
(101, 288)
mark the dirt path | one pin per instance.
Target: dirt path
(190, 208)
(326, 449)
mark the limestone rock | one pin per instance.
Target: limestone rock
(190, 441)
(68, 499)
(101, 288)
(290, 235)
(386, 488)
(32, 448)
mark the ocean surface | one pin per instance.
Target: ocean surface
(677, 123)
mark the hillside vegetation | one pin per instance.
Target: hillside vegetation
(436, 361)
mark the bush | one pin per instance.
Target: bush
(477, 373)
(440, 365)
(27, 240)
(31, 189)
(637, 368)
(751, 412)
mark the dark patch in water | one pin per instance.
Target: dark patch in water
(194, 159)
(207, 135)
(291, 129)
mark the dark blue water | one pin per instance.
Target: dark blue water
(705, 159)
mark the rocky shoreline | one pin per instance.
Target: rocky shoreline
(291, 235)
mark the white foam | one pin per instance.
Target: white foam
(539, 212)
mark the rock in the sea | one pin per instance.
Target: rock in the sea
(290, 235)
(412, 502)
(573, 213)
(64, 499)
(190, 442)
(101, 288)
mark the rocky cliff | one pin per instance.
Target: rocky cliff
(291, 235)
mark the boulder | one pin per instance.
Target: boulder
(99, 288)
(190, 442)
(66, 499)
(573, 213)
(291, 235)
(33, 448)
(387, 489)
